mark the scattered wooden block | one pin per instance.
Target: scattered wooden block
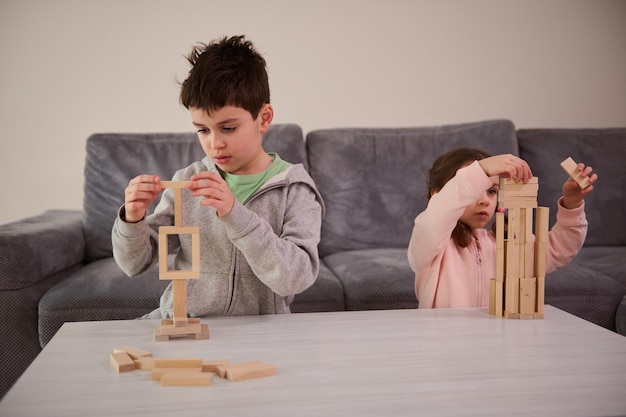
(133, 352)
(121, 362)
(157, 373)
(177, 363)
(211, 366)
(243, 373)
(223, 369)
(186, 379)
(144, 363)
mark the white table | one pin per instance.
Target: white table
(371, 363)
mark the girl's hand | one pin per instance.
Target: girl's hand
(214, 190)
(507, 165)
(141, 191)
(573, 195)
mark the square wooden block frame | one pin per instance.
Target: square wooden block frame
(194, 272)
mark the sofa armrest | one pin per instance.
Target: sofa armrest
(34, 248)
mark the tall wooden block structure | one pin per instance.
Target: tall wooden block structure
(517, 291)
(180, 325)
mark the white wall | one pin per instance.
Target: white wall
(69, 68)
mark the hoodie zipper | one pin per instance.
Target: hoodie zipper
(479, 270)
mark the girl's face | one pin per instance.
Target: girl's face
(480, 213)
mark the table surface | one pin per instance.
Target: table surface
(437, 362)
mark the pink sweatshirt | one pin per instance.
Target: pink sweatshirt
(450, 276)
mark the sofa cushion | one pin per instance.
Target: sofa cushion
(374, 279)
(373, 181)
(591, 286)
(602, 149)
(326, 294)
(114, 159)
(98, 291)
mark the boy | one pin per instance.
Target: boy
(259, 216)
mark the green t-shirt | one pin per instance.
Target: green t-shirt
(243, 186)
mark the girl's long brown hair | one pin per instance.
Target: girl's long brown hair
(443, 170)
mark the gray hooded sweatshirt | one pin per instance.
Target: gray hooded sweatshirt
(252, 261)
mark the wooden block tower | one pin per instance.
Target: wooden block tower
(180, 325)
(517, 291)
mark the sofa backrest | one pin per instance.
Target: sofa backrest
(114, 159)
(373, 181)
(605, 151)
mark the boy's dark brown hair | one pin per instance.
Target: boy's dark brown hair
(443, 170)
(226, 72)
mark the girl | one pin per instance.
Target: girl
(451, 252)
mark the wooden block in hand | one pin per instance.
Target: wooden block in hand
(571, 167)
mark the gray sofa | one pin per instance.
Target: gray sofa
(57, 266)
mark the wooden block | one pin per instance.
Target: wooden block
(179, 300)
(518, 203)
(223, 369)
(529, 268)
(526, 316)
(504, 182)
(211, 366)
(538, 316)
(157, 373)
(172, 330)
(186, 379)
(144, 363)
(542, 220)
(527, 296)
(499, 298)
(121, 362)
(521, 189)
(571, 167)
(194, 272)
(243, 373)
(162, 253)
(492, 296)
(133, 352)
(499, 230)
(178, 207)
(177, 363)
(175, 184)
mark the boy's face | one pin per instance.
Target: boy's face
(232, 139)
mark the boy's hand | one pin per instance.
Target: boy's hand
(214, 190)
(573, 195)
(141, 191)
(507, 165)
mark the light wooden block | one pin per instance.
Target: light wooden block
(144, 363)
(243, 373)
(186, 379)
(211, 366)
(221, 370)
(194, 272)
(178, 207)
(492, 296)
(527, 296)
(172, 330)
(157, 373)
(499, 299)
(178, 363)
(571, 167)
(121, 362)
(179, 296)
(175, 184)
(133, 352)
